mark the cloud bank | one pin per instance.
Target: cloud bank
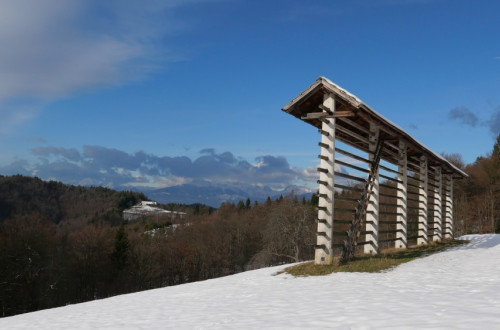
(97, 165)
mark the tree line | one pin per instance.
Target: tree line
(476, 198)
(62, 244)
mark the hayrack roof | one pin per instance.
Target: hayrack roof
(353, 119)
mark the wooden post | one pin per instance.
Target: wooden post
(373, 205)
(324, 250)
(448, 226)
(401, 219)
(438, 220)
(422, 203)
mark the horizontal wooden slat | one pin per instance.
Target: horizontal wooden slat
(350, 177)
(357, 168)
(347, 187)
(347, 153)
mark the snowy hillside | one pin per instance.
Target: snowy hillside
(458, 288)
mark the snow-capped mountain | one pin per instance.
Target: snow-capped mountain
(214, 194)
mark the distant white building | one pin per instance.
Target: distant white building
(149, 209)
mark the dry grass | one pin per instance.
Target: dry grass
(372, 264)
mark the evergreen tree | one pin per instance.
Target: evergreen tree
(122, 248)
(315, 199)
(496, 147)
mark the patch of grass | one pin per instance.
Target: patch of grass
(373, 264)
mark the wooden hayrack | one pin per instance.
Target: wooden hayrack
(377, 184)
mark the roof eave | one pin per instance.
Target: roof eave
(355, 102)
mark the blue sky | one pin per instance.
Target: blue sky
(162, 93)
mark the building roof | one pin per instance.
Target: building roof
(149, 208)
(353, 126)
(145, 209)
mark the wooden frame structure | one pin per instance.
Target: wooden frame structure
(407, 188)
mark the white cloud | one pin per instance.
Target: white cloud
(311, 173)
(156, 181)
(51, 49)
(99, 165)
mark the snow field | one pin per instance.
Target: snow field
(458, 288)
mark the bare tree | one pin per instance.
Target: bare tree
(289, 234)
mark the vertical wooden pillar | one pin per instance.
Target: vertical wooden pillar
(448, 225)
(438, 206)
(373, 205)
(324, 250)
(401, 219)
(422, 203)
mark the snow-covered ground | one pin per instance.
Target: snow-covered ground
(457, 288)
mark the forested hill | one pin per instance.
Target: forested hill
(27, 197)
(64, 244)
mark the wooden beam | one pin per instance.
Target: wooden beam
(325, 108)
(324, 255)
(355, 125)
(346, 113)
(319, 115)
(437, 212)
(402, 196)
(448, 232)
(315, 115)
(372, 210)
(352, 134)
(422, 199)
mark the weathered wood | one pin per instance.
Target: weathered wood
(326, 109)
(402, 198)
(310, 101)
(385, 168)
(367, 204)
(322, 182)
(350, 177)
(315, 115)
(355, 125)
(323, 145)
(324, 256)
(353, 156)
(389, 178)
(354, 167)
(376, 149)
(350, 188)
(448, 229)
(353, 122)
(438, 221)
(422, 199)
(351, 134)
(346, 113)
(320, 131)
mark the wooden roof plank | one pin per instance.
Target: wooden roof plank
(298, 108)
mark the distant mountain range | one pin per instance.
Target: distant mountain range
(214, 194)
